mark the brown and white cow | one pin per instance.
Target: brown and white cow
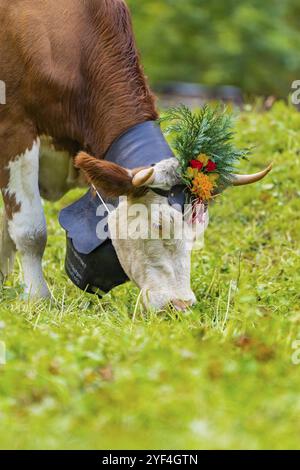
(72, 73)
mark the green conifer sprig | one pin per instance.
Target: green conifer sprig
(208, 131)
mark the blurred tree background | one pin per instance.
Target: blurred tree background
(252, 44)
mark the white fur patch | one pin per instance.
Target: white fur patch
(28, 224)
(165, 174)
(160, 267)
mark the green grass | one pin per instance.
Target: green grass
(83, 373)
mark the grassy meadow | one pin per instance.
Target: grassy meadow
(85, 373)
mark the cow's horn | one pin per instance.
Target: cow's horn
(143, 178)
(240, 180)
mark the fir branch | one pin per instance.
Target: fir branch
(208, 131)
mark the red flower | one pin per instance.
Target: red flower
(196, 164)
(211, 166)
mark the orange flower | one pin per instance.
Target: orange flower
(202, 186)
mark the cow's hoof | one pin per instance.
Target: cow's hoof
(40, 293)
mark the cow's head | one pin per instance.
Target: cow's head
(152, 239)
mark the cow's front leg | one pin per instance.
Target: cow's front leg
(26, 221)
(7, 250)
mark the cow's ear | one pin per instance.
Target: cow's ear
(111, 179)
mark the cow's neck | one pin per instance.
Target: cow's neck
(108, 123)
(119, 96)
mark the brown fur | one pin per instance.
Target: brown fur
(111, 179)
(72, 72)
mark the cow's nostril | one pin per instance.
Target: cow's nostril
(180, 305)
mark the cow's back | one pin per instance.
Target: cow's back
(67, 65)
(40, 42)
(41, 52)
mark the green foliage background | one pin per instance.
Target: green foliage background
(253, 44)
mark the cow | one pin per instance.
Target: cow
(73, 74)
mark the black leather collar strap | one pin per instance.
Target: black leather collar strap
(142, 145)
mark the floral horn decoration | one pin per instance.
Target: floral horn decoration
(203, 143)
